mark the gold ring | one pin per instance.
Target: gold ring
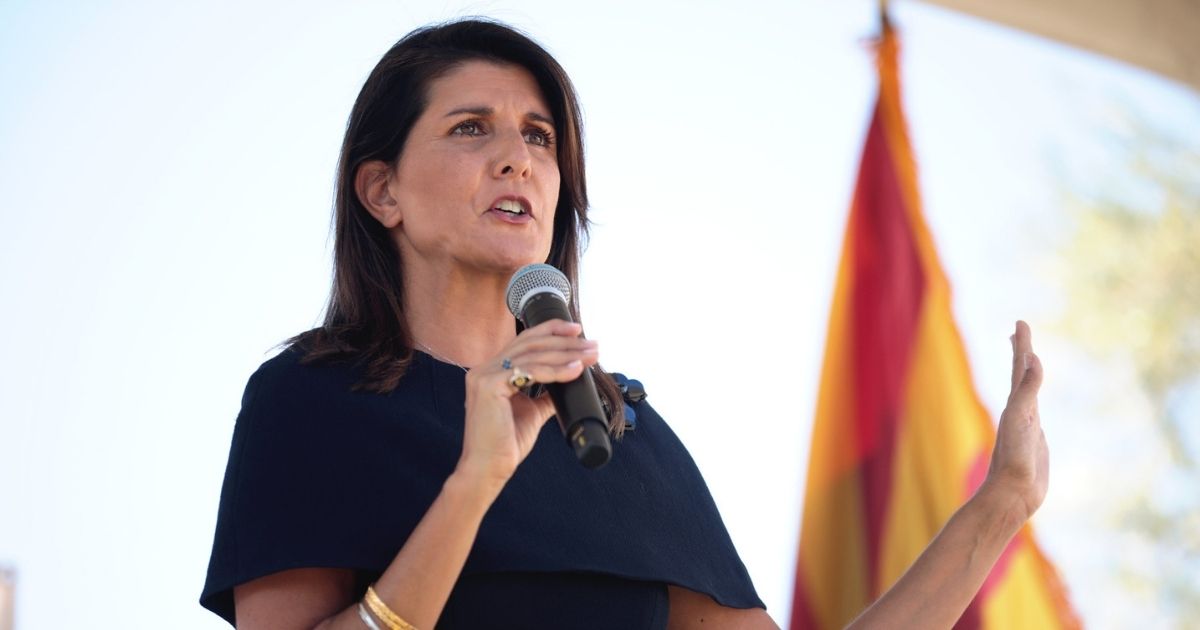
(520, 379)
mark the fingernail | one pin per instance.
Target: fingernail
(574, 364)
(1025, 360)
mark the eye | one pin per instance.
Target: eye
(468, 128)
(539, 136)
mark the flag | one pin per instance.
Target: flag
(900, 439)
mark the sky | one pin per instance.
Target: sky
(166, 180)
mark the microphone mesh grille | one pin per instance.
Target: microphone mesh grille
(535, 279)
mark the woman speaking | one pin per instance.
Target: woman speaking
(393, 468)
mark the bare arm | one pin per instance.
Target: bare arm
(689, 609)
(423, 572)
(939, 586)
(501, 428)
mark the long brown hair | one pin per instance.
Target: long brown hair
(365, 320)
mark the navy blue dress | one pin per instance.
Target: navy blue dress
(320, 476)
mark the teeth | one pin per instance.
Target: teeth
(508, 205)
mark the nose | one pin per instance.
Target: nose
(512, 157)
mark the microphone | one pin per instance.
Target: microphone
(539, 293)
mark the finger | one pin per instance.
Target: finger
(588, 353)
(546, 373)
(1024, 337)
(545, 343)
(1024, 396)
(558, 327)
(498, 380)
(1033, 374)
(560, 373)
(1021, 345)
(553, 349)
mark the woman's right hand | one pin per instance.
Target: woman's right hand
(502, 423)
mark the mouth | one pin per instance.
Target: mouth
(513, 206)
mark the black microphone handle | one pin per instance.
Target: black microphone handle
(576, 403)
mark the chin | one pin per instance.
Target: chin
(508, 264)
(512, 259)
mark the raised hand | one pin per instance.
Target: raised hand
(1020, 466)
(937, 588)
(502, 423)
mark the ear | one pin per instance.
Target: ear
(371, 184)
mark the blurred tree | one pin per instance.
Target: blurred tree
(1131, 272)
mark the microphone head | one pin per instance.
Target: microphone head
(532, 280)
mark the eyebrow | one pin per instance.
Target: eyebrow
(484, 112)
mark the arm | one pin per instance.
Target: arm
(689, 609)
(937, 588)
(501, 428)
(421, 576)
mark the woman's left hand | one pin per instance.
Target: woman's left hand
(1020, 467)
(938, 587)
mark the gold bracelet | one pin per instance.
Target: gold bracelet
(385, 614)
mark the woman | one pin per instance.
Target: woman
(383, 471)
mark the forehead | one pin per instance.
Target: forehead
(487, 83)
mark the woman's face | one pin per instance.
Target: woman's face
(477, 181)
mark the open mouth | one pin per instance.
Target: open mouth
(511, 206)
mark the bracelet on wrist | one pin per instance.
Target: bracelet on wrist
(385, 614)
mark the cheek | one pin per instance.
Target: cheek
(441, 182)
(552, 185)
(552, 190)
(444, 175)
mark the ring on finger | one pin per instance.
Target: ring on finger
(506, 364)
(520, 379)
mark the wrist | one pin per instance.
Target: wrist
(1003, 507)
(473, 484)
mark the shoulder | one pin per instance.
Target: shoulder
(648, 439)
(278, 369)
(633, 395)
(289, 365)
(288, 380)
(294, 404)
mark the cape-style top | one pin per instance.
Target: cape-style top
(321, 476)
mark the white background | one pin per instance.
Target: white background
(165, 187)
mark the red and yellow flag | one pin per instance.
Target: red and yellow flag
(900, 438)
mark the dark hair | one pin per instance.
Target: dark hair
(365, 320)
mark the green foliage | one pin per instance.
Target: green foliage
(1131, 272)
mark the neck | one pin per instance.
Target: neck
(457, 315)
